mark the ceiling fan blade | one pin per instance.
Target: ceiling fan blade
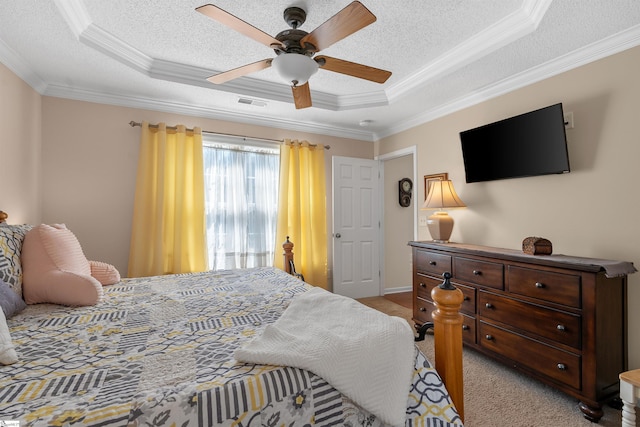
(352, 69)
(302, 96)
(352, 18)
(240, 71)
(238, 24)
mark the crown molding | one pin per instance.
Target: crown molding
(361, 100)
(197, 76)
(100, 40)
(76, 15)
(247, 86)
(62, 91)
(16, 64)
(609, 46)
(523, 21)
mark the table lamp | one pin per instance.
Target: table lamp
(441, 195)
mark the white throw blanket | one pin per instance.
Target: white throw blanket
(365, 354)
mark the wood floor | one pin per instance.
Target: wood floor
(402, 298)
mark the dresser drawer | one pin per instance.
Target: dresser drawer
(469, 301)
(468, 329)
(422, 310)
(482, 273)
(556, 325)
(548, 286)
(423, 285)
(432, 262)
(552, 362)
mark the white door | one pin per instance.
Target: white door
(356, 227)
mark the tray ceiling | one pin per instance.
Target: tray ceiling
(444, 55)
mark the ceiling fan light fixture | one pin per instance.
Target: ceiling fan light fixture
(295, 68)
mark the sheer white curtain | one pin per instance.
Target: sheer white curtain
(241, 194)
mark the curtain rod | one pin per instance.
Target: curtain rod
(244, 137)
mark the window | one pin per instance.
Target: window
(241, 196)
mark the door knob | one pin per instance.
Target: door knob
(338, 235)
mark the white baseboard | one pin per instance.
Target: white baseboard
(398, 290)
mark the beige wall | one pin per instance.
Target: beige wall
(74, 162)
(398, 226)
(20, 118)
(90, 158)
(592, 211)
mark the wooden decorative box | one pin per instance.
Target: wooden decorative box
(536, 246)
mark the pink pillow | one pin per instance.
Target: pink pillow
(106, 274)
(55, 269)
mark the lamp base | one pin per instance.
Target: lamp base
(440, 226)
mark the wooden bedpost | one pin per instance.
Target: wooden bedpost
(447, 342)
(288, 255)
(3, 216)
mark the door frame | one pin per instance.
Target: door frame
(408, 151)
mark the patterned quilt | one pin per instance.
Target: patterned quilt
(158, 352)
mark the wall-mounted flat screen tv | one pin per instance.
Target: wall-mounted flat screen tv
(529, 144)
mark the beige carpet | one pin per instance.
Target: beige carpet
(496, 396)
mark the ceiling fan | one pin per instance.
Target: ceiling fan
(295, 48)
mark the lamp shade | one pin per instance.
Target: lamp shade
(294, 68)
(442, 195)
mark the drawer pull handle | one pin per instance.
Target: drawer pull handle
(432, 263)
(477, 272)
(422, 285)
(489, 337)
(561, 328)
(562, 366)
(488, 305)
(465, 327)
(466, 298)
(423, 309)
(539, 285)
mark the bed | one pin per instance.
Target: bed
(160, 351)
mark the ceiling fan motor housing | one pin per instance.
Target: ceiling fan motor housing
(294, 16)
(290, 39)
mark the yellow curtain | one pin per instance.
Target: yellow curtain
(302, 210)
(168, 231)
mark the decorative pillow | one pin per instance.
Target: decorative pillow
(55, 269)
(10, 303)
(8, 353)
(106, 274)
(11, 238)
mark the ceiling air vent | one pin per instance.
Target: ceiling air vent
(249, 101)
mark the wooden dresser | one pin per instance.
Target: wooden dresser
(556, 318)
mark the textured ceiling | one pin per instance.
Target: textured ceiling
(444, 55)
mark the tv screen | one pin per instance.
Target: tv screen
(529, 144)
